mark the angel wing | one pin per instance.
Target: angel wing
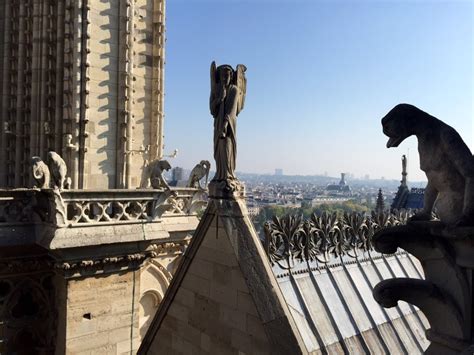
(208, 168)
(241, 82)
(213, 73)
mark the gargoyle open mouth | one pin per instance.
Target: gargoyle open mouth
(394, 141)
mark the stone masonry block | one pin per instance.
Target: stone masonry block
(222, 274)
(188, 332)
(118, 335)
(87, 342)
(218, 241)
(202, 268)
(248, 344)
(197, 284)
(238, 280)
(205, 342)
(223, 295)
(185, 297)
(204, 308)
(212, 255)
(82, 328)
(254, 326)
(179, 312)
(233, 317)
(245, 303)
(222, 348)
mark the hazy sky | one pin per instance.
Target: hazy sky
(321, 75)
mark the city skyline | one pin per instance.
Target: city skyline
(320, 75)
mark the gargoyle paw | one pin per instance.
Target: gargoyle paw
(421, 216)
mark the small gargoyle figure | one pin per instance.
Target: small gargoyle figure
(40, 173)
(154, 174)
(198, 172)
(444, 157)
(58, 170)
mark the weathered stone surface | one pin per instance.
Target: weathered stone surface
(444, 157)
(198, 172)
(445, 296)
(445, 248)
(98, 312)
(235, 303)
(90, 79)
(228, 90)
(85, 80)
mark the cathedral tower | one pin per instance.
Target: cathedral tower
(83, 78)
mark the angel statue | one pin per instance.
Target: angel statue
(227, 99)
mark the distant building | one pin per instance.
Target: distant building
(339, 189)
(407, 198)
(253, 210)
(177, 174)
(278, 172)
(328, 200)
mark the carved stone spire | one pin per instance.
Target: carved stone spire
(404, 170)
(380, 205)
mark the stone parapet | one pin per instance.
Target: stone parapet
(76, 218)
(96, 264)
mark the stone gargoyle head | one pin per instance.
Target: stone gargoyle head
(399, 123)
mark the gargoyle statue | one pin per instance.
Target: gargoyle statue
(154, 174)
(444, 157)
(40, 173)
(198, 172)
(58, 170)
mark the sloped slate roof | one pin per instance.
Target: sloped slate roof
(335, 312)
(408, 199)
(327, 270)
(415, 199)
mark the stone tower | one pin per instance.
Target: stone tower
(83, 270)
(83, 78)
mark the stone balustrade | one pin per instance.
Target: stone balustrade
(71, 207)
(45, 215)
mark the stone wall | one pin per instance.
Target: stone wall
(224, 298)
(213, 311)
(109, 314)
(102, 314)
(28, 319)
(85, 79)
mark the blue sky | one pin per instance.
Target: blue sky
(321, 75)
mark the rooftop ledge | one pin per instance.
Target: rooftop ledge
(73, 218)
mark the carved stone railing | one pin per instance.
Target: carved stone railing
(16, 206)
(127, 206)
(81, 207)
(324, 237)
